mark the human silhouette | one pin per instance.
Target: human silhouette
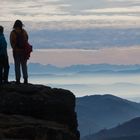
(4, 63)
(18, 39)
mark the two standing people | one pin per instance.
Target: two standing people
(18, 39)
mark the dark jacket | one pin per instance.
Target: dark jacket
(3, 45)
(13, 38)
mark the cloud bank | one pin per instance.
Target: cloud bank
(71, 12)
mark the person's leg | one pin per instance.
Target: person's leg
(6, 70)
(24, 71)
(17, 66)
(1, 70)
(0, 75)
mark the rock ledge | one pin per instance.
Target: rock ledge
(37, 112)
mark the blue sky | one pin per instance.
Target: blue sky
(103, 27)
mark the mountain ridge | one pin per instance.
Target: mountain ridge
(126, 131)
(82, 69)
(104, 111)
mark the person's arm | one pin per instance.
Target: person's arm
(0, 42)
(13, 39)
(25, 36)
(3, 45)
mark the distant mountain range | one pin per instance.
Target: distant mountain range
(103, 111)
(36, 68)
(127, 131)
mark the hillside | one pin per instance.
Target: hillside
(32, 112)
(103, 111)
(126, 131)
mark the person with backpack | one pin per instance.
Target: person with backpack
(18, 40)
(4, 62)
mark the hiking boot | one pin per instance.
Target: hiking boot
(0, 82)
(25, 81)
(5, 82)
(17, 82)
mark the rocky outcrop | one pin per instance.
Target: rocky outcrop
(37, 112)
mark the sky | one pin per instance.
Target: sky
(89, 11)
(67, 32)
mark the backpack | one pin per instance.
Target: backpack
(28, 50)
(20, 40)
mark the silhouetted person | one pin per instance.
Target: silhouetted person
(4, 63)
(18, 39)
